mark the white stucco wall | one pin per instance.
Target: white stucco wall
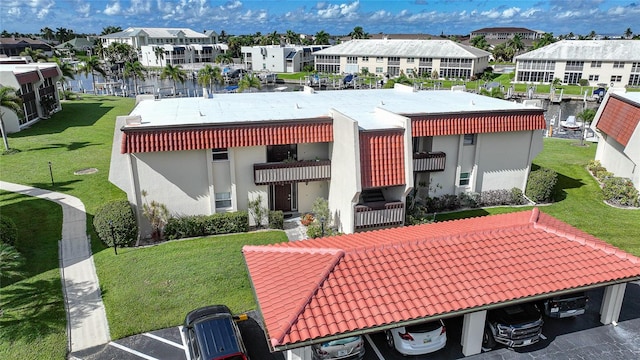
(11, 121)
(444, 182)
(611, 155)
(245, 187)
(313, 151)
(498, 169)
(309, 192)
(346, 183)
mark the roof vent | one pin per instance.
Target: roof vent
(133, 120)
(473, 103)
(381, 102)
(297, 106)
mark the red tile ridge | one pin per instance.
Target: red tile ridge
(553, 226)
(301, 305)
(299, 250)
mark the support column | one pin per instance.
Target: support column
(303, 353)
(472, 330)
(612, 303)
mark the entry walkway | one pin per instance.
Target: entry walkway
(87, 324)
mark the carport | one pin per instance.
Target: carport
(312, 291)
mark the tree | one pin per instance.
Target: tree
(480, 42)
(174, 73)
(292, 37)
(321, 38)
(224, 58)
(494, 93)
(10, 261)
(137, 70)
(46, 33)
(209, 75)
(515, 45)
(10, 100)
(67, 71)
(358, 33)
(587, 116)
(592, 34)
(628, 34)
(546, 39)
(92, 65)
(249, 81)
(110, 30)
(36, 55)
(159, 53)
(274, 38)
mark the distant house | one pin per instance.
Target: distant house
(14, 46)
(612, 62)
(618, 127)
(276, 58)
(76, 44)
(500, 35)
(36, 85)
(390, 57)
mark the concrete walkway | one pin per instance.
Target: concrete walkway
(87, 324)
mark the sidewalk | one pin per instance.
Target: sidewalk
(87, 324)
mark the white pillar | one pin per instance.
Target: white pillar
(472, 330)
(612, 303)
(299, 354)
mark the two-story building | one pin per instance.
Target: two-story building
(35, 83)
(362, 150)
(612, 62)
(501, 35)
(276, 58)
(389, 57)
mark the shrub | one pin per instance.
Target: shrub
(115, 224)
(307, 219)
(603, 175)
(276, 220)
(315, 230)
(257, 211)
(495, 197)
(517, 197)
(583, 82)
(540, 185)
(179, 227)
(8, 231)
(620, 191)
(470, 200)
(443, 203)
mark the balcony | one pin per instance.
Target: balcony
(372, 215)
(429, 161)
(291, 171)
(47, 90)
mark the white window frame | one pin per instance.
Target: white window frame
(469, 139)
(220, 154)
(221, 200)
(465, 179)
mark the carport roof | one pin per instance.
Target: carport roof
(312, 289)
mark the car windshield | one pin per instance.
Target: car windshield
(340, 341)
(423, 328)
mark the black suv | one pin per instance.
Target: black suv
(212, 333)
(565, 305)
(514, 326)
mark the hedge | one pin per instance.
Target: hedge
(115, 224)
(276, 220)
(540, 185)
(204, 225)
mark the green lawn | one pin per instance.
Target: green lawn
(33, 322)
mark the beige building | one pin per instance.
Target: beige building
(202, 156)
(277, 58)
(615, 63)
(444, 58)
(36, 85)
(500, 35)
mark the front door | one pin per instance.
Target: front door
(282, 197)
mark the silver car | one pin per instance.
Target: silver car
(346, 348)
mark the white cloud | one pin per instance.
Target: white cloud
(139, 7)
(491, 14)
(83, 8)
(113, 9)
(340, 11)
(14, 11)
(380, 15)
(530, 12)
(509, 13)
(231, 5)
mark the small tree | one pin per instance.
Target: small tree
(157, 214)
(115, 224)
(322, 224)
(257, 211)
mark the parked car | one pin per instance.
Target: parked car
(343, 349)
(566, 305)
(211, 333)
(514, 326)
(418, 339)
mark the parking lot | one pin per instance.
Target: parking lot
(582, 337)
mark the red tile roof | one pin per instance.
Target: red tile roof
(141, 139)
(470, 123)
(619, 119)
(312, 289)
(382, 158)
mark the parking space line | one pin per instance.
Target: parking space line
(156, 337)
(374, 347)
(137, 353)
(184, 342)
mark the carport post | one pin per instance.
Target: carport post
(303, 353)
(612, 303)
(472, 330)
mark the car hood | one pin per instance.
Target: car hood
(514, 315)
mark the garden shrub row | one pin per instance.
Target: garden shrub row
(541, 184)
(616, 190)
(204, 225)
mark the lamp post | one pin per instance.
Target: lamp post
(113, 237)
(322, 220)
(51, 173)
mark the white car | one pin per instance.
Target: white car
(418, 339)
(343, 349)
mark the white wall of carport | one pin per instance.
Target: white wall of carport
(345, 186)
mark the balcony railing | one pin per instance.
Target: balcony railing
(47, 90)
(431, 161)
(391, 213)
(290, 172)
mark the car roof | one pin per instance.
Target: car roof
(216, 336)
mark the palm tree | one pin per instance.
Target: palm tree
(110, 30)
(515, 44)
(292, 37)
(274, 38)
(159, 52)
(10, 261)
(10, 100)
(480, 42)
(36, 55)
(224, 58)
(46, 33)
(249, 81)
(174, 73)
(358, 33)
(67, 71)
(91, 65)
(545, 40)
(628, 33)
(209, 75)
(135, 69)
(321, 38)
(587, 116)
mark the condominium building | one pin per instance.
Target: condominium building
(138, 37)
(180, 54)
(277, 58)
(362, 150)
(615, 63)
(35, 84)
(424, 58)
(500, 35)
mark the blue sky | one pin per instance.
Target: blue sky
(609, 17)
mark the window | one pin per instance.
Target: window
(379, 70)
(594, 77)
(352, 60)
(379, 59)
(616, 78)
(220, 154)
(365, 58)
(411, 60)
(464, 179)
(618, 64)
(223, 200)
(469, 139)
(596, 64)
